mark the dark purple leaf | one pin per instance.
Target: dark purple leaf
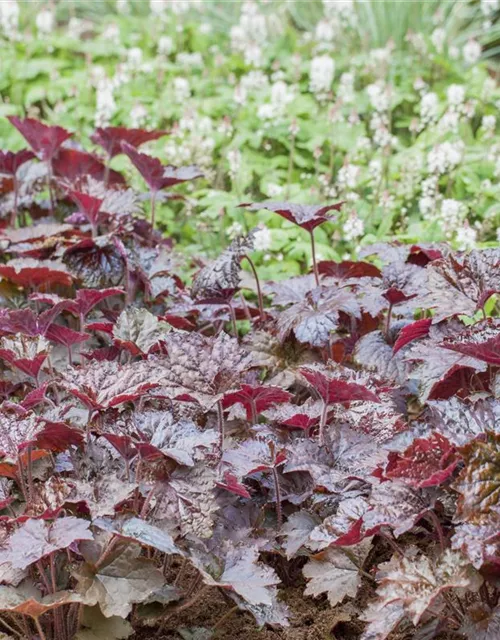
(110, 138)
(306, 216)
(45, 140)
(156, 175)
(10, 161)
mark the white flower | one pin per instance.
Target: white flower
(472, 51)
(240, 94)
(321, 74)
(429, 108)
(451, 215)
(489, 86)
(182, 90)
(281, 96)
(353, 227)
(375, 169)
(346, 87)
(466, 237)
(262, 239)
(9, 18)
(445, 156)
(379, 96)
(281, 93)
(249, 36)
(134, 57)
(234, 160)
(44, 21)
(420, 84)
(488, 7)
(158, 7)
(105, 103)
(438, 39)
(138, 116)
(488, 124)
(112, 33)
(453, 52)
(188, 60)
(325, 31)
(342, 10)
(426, 205)
(450, 121)
(455, 94)
(165, 45)
(122, 6)
(348, 176)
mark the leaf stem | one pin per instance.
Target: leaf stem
(153, 211)
(313, 251)
(49, 184)
(277, 490)
(220, 416)
(388, 321)
(437, 526)
(259, 291)
(40, 630)
(290, 165)
(253, 411)
(233, 319)
(13, 217)
(223, 618)
(322, 424)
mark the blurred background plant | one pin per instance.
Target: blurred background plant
(388, 105)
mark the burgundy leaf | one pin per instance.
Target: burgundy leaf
(87, 299)
(337, 386)
(27, 272)
(411, 332)
(64, 335)
(45, 140)
(306, 216)
(256, 399)
(348, 269)
(481, 341)
(428, 462)
(156, 175)
(10, 161)
(35, 397)
(87, 205)
(75, 167)
(232, 485)
(57, 436)
(110, 138)
(439, 369)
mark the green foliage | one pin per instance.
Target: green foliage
(305, 101)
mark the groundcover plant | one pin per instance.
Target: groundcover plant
(164, 436)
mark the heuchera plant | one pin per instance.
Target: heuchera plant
(163, 435)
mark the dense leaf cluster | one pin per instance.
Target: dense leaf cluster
(344, 421)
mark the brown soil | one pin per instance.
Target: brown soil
(312, 619)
